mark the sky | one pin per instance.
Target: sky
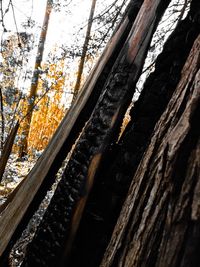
(62, 24)
(35, 9)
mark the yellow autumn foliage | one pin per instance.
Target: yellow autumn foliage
(48, 112)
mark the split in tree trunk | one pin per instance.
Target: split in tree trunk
(19, 207)
(150, 223)
(160, 221)
(72, 191)
(113, 179)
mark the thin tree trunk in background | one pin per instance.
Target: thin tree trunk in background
(23, 145)
(160, 221)
(84, 50)
(7, 149)
(2, 121)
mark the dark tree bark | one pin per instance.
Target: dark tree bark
(53, 240)
(18, 208)
(160, 218)
(113, 180)
(160, 221)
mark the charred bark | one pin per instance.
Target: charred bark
(154, 98)
(113, 180)
(52, 243)
(20, 208)
(160, 221)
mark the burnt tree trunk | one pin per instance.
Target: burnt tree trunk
(160, 221)
(54, 239)
(18, 208)
(120, 163)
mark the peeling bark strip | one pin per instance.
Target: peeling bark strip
(113, 180)
(160, 221)
(26, 198)
(53, 239)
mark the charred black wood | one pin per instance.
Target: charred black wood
(72, 187)
(53, 240)
(56, 230)
(113, 180)
(156, 94)
(83, 117)
(157, 225)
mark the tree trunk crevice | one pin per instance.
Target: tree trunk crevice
(173, 170)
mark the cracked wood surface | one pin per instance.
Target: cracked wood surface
(25, 199)
(93, 141)
(120, 162)
(160, 221)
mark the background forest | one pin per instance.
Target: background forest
(47, 50)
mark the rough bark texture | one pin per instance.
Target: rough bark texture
(160, 221)
(53, 240)
(20, 208)
(112, 181)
